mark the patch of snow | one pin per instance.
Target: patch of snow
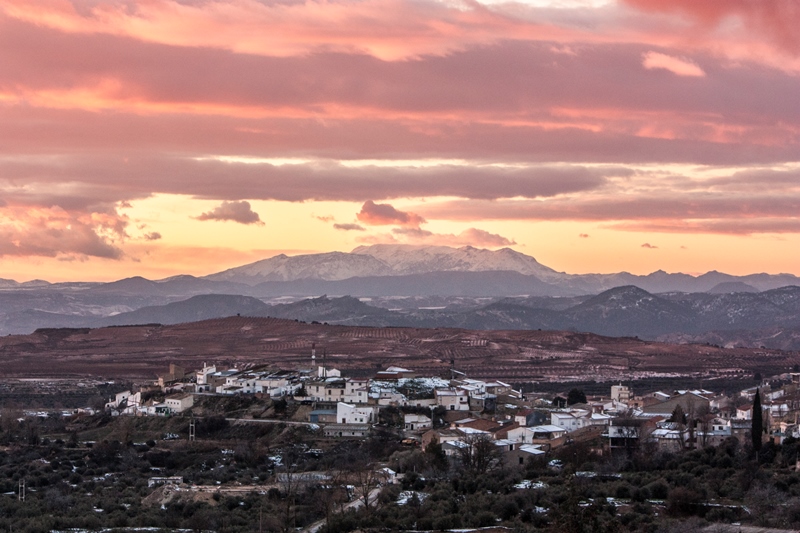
(531, 484)
(407, 495)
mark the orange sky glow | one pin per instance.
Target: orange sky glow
(164, 137)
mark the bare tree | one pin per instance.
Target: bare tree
(365, 479)
(479, 453)
(331, 494)
(292, 482)
(705, 424)
(628, 431)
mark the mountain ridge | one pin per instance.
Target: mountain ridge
(392, 260)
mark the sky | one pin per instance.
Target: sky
(165, 137)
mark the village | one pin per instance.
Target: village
(458, 412)
(310, 447)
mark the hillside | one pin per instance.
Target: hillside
(140, 352)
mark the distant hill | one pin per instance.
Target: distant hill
(345, 310)
(629, 311)
(195, 308)
(424, 286)
(729, 287)
(503, 283)
(769, 318)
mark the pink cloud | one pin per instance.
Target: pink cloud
(544, 107)
(469, 237)
(387, 29)
(676, 65)
(663, 205)
(55, 232)
(234, 211)
(395, 30)
(384, 215)
(716, 226)
(433, 106)
(481, 238)
(349, 227)
(775, 20)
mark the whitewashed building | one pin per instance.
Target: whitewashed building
(452, 399)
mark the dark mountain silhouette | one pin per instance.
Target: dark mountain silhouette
(195, 308)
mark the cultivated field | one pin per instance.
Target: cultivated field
(141, 352)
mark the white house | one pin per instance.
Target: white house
(527, 435)
(351, 414)
(571, 420)
(521, 417)
(356, 390)
(452, 399)
(346, 430)
(326, 390)
(179, 402)
(119, 399)
(744, 412)
(413, 422)
(621, 393)
(325, 373)
(202, 375)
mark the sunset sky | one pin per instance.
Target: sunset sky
(161, 137)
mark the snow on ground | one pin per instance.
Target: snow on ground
(531, 484)
(407, 495)
(417, 384)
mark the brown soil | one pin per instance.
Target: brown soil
(141, 352)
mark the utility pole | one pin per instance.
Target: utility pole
(192, 429)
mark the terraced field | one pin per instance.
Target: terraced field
(141, 352)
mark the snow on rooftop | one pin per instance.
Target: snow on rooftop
(546, 428)
(472, 431)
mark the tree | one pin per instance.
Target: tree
(293, 483)
(478, 453)
(435, 456)
(678, 415)
(331, 495)
(758, 423)
(576, 396)
(366, 481)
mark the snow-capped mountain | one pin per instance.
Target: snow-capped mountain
(382, 260)
(386, 260)
(328, 266)
(410, 259)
